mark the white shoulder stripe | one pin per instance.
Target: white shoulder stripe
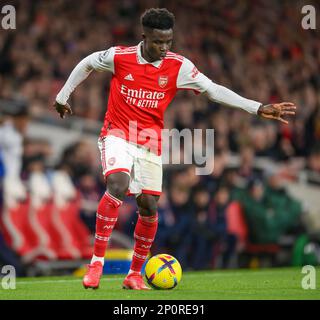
(125, 51)
(174, 55)
(173, 58)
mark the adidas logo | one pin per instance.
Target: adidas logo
(129, 77)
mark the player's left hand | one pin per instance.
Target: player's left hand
(276, 111)
(62, 109)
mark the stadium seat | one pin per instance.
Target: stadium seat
(237, 225)
(41, 218)
(46, 231)
(73, 236)
(17, 229)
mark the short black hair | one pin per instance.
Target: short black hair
(157, 18)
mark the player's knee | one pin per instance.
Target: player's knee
(148, 204)
(117, 190)
(118, 184)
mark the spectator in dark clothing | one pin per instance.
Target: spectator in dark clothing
(262, 225)
(289, 209)
(180, 240)
(212, 181)
(313, 161)
(9, 257)
(312, 127)
(90, 195)
(201, 235)
(224, 245)
(166, 224)
(269, 211)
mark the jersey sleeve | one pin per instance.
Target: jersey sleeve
(103, 60)
(227, 97)
(99, 61)
(191, 78)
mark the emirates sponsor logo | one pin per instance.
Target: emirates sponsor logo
(142, 94)
(163, 81)
(142, 98)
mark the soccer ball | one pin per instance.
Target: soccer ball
(163, 271)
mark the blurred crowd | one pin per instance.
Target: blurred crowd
(256, 48)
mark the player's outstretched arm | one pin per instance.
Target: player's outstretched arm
(190, 78)
(99, 61)
(276, 111)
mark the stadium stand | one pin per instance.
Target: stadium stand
(248, 46)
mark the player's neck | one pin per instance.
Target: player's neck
(145, 55)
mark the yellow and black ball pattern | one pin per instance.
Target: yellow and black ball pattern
(163, 271)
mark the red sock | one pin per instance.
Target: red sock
(107, 215)
(144, 234)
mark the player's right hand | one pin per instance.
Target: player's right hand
(62, 109)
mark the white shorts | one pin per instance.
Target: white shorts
(143, 166)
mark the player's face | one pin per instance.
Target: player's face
(156, 43)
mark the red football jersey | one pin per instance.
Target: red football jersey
(140, 90)
(139, 95)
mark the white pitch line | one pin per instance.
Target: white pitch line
(62, 281)
(218, 274)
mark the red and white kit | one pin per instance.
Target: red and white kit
(140, 92)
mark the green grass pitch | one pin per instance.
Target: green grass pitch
(262, 284)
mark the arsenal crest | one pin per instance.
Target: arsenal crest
(163, 81)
